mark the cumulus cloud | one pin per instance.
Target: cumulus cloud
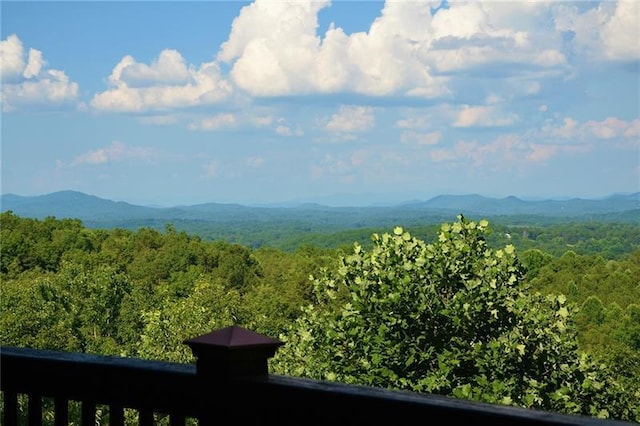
(160, 120)
(411, 123)
(511, 151)
(215, 122)
(516, 152)
(34, 64)
(412, 48)
(351, 119)
(476, 34)
(592, 130)
(539, 153)
(262, 121)
(12, 62)
(483, 116)
(169, 68)
(284, 130)
(607, 30)
(115, 152)
(27, 82)
(621, 34)
(166, 83)
(504, 152)
(274, 49)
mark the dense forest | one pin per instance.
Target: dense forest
(454, 308)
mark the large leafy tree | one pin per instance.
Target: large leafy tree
(452, 317)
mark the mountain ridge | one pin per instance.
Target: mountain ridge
(86, 207)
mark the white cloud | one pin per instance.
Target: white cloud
(34, 64)
(483, 116)
(610, 128)
(261, 121)
(165, 84)
(12, 63)
(539, 153)
(503, 153)
(633, 131)
(621, 34)
(28, 83)
(274, 49)
(160, 120)
(507, 152)
(215, 122)
(284, 130)
(607, 30)
(117, 151)
(350, 119)
(411, 123)
(566, 131)
(168, 68)
(477, 34)
(421, 139)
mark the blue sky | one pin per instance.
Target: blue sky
(342, 102)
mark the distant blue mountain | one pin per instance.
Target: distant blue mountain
(477, 204)
(95, 210)
(71, 204)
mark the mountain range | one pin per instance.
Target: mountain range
(96, 212)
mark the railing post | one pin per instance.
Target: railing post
(232, 352)
(222, 356)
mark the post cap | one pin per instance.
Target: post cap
(233, 351)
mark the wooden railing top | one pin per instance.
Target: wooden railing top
(244, 393)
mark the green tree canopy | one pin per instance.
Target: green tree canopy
(452, 317)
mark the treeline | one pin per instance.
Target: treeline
(71, 288)
(589, 235)
(142, 292)
(608, 240)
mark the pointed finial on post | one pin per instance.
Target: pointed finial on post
(232, 352)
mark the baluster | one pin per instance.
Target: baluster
(145, 417)
(61, 412)
(88, 413)
(10, 415)
(35, 410)
(116, 415)
(176, 420)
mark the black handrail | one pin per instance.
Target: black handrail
(229, 384)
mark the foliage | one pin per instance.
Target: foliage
(105, 289)
(582, 276)
(452, 317)
(76, 309)
(413, 314)
(607, 293)
(210, 307)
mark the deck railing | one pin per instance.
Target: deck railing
(229, 384)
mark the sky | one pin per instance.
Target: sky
(339, 102)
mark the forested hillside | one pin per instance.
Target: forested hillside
(535, 223)
(142, 292)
